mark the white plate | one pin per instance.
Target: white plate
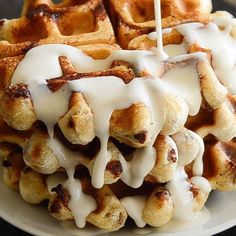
(37, 221)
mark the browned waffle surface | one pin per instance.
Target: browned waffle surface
(70, 22)
(219, 164)
(133, 18)
(220, 122)
(30, 152)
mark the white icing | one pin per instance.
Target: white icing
(202, 183)
(81, 204)
(137, 169)
(190, 148)
(113, 94)
(179, 188)
(78, 199)
(175, 49)
(184, 81)
(170, 49)
(198, 162)
(134, 207)
(118, 96)
(67, 159)
(219, 37)
(218, 41)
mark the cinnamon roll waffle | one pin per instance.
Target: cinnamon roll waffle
(44, 22)
(104, 134)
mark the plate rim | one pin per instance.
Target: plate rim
(34, 231)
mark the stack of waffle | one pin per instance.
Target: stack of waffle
(33, 167)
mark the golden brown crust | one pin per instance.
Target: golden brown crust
(38, 155)
(16, 107)
(77, 124)
(33, 188)
(220, 122)
(130, 127)
(109, 215)
(134, 17)
(159, 208)
(44, 22)
(10, 135)
(220, 165)
(166, 160)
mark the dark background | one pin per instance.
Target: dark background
(10, 9)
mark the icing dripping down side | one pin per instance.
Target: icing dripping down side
(179, 189)
(134, 206)
(78, 199)
(218, 36)
(113, 94)
(184, 81)
(149, 91)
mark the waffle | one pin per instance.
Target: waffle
(217, 125)
(41, 160)
(221, 155)
(135, 18)
(180, 38)
(219, 164)
(157, 138)
(43, 22)
(33, 188)
(219, 122)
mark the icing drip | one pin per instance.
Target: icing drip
(184, 81)
(159, 50)
(202, 183)
(190, 148)
(79, 200)
(118, 96)
(219, 37)
(106, 94)
(137, 169)
(179, 189)
(198, 163)
(134, 206)
(69, 160)
(175, 49)
(218, 41)
(113, 94)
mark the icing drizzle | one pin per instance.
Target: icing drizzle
(113, 94)
(41, 63)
